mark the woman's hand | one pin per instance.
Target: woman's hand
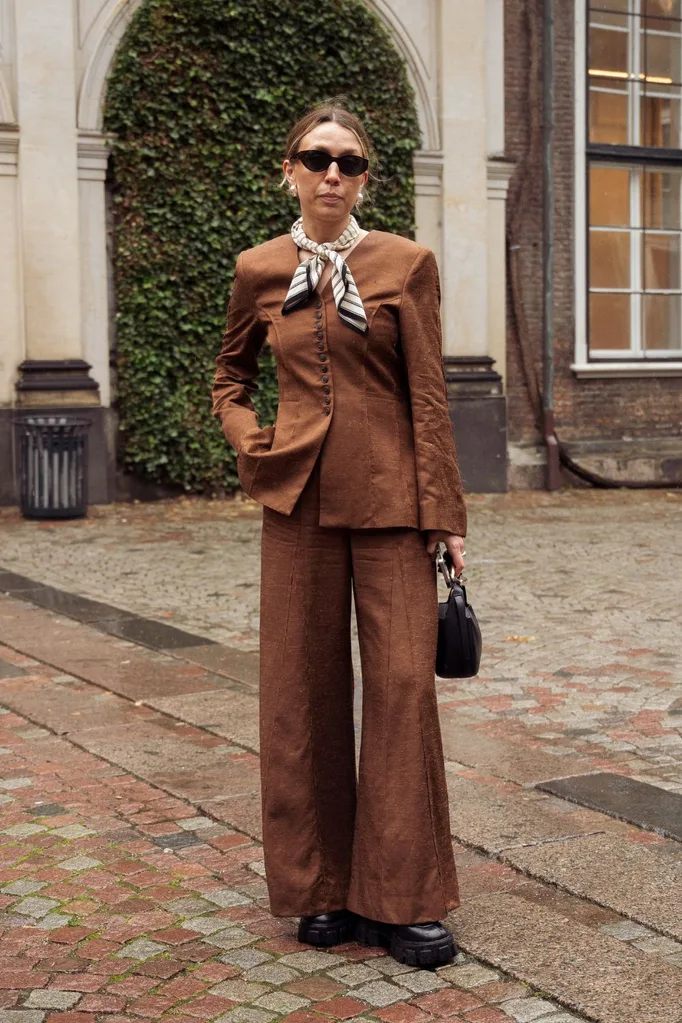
(454, 544)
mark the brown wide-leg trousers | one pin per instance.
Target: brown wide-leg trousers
(380, 846)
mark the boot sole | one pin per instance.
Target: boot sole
(326, 936)
(422, 953)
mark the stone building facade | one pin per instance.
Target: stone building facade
(475, 67)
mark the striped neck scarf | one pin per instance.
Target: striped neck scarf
(348, 302)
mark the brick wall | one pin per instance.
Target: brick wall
(584, 409)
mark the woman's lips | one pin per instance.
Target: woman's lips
(330, 198)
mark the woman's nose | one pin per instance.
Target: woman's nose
(333, 172)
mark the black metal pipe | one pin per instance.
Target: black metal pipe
(553, 476)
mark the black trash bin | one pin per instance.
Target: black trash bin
(53, 465)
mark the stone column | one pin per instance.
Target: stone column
(53, 375)
(93, 157)
(428, 187)
(477, 405)
(11, 332)
(48, 182)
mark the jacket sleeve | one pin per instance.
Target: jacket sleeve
(441, 494)
(237, 363)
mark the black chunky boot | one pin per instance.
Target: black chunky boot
(327, 928)
(423, 945)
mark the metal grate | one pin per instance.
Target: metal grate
(53, 457)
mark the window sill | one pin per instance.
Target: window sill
(587, 370)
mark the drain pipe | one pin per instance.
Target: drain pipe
(553, 476)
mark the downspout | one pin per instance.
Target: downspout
(553, 474)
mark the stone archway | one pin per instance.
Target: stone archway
(99, 53)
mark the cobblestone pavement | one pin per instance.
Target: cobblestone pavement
(119, 902)
(579, 595)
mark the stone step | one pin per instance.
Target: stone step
(186, 761)
(640, 881)
(580, 966)
(581, 851)
(520, 763)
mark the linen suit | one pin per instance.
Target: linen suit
(361, 459)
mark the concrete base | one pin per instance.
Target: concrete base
(644, 459)
(478, 412)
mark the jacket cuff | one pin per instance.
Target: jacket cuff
(434, 518)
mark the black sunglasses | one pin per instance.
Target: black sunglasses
(319, 160)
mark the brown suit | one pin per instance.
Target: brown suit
(360, 460)
(389, 456)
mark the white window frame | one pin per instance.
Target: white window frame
(602, 364)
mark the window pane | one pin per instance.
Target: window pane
(609, 259)
(608, 51)
(662, 8)
(609, 196)
(662, 322)
(661, 198)
(660, 117)
(610, 322)
(608, 117)
(661, 262)
(662, 52)
(609, 5)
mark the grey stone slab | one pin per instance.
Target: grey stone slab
(226, 712)
(52, 999)
(527, 1010)
(74, 606)
(239, 990)
(21, 1016)
(23, 887)
(589, 972)
(608, 869)
(153, 634)
(35, 906)
(47, 810)
(481, 815)
(8, 670)
(141, 949)
(12, 582)
(242, 665)
(282, 1002)
(637, 802)
(518, 763)
(246, 957)
(380, 993)
(189, 907)
(178, 840)
(232, 937)
(243, 1014)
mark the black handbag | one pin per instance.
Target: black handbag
(458, 654)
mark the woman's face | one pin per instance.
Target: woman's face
(326, 195)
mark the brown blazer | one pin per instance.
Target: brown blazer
(374, 407)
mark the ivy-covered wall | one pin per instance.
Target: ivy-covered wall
(201, 98)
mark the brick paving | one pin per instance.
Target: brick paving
(100, 922)
(578, 593)
(128, 839)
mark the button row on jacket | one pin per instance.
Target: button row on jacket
(319, 344)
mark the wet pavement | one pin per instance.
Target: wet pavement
(131, 876)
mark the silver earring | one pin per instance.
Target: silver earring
(293, 189)
(360, 199)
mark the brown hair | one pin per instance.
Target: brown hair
(331, 110)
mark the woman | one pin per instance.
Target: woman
(359, 483)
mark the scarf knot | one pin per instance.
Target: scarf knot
(307, 274)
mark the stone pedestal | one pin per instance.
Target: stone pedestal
(478, 412)
(59, 387)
